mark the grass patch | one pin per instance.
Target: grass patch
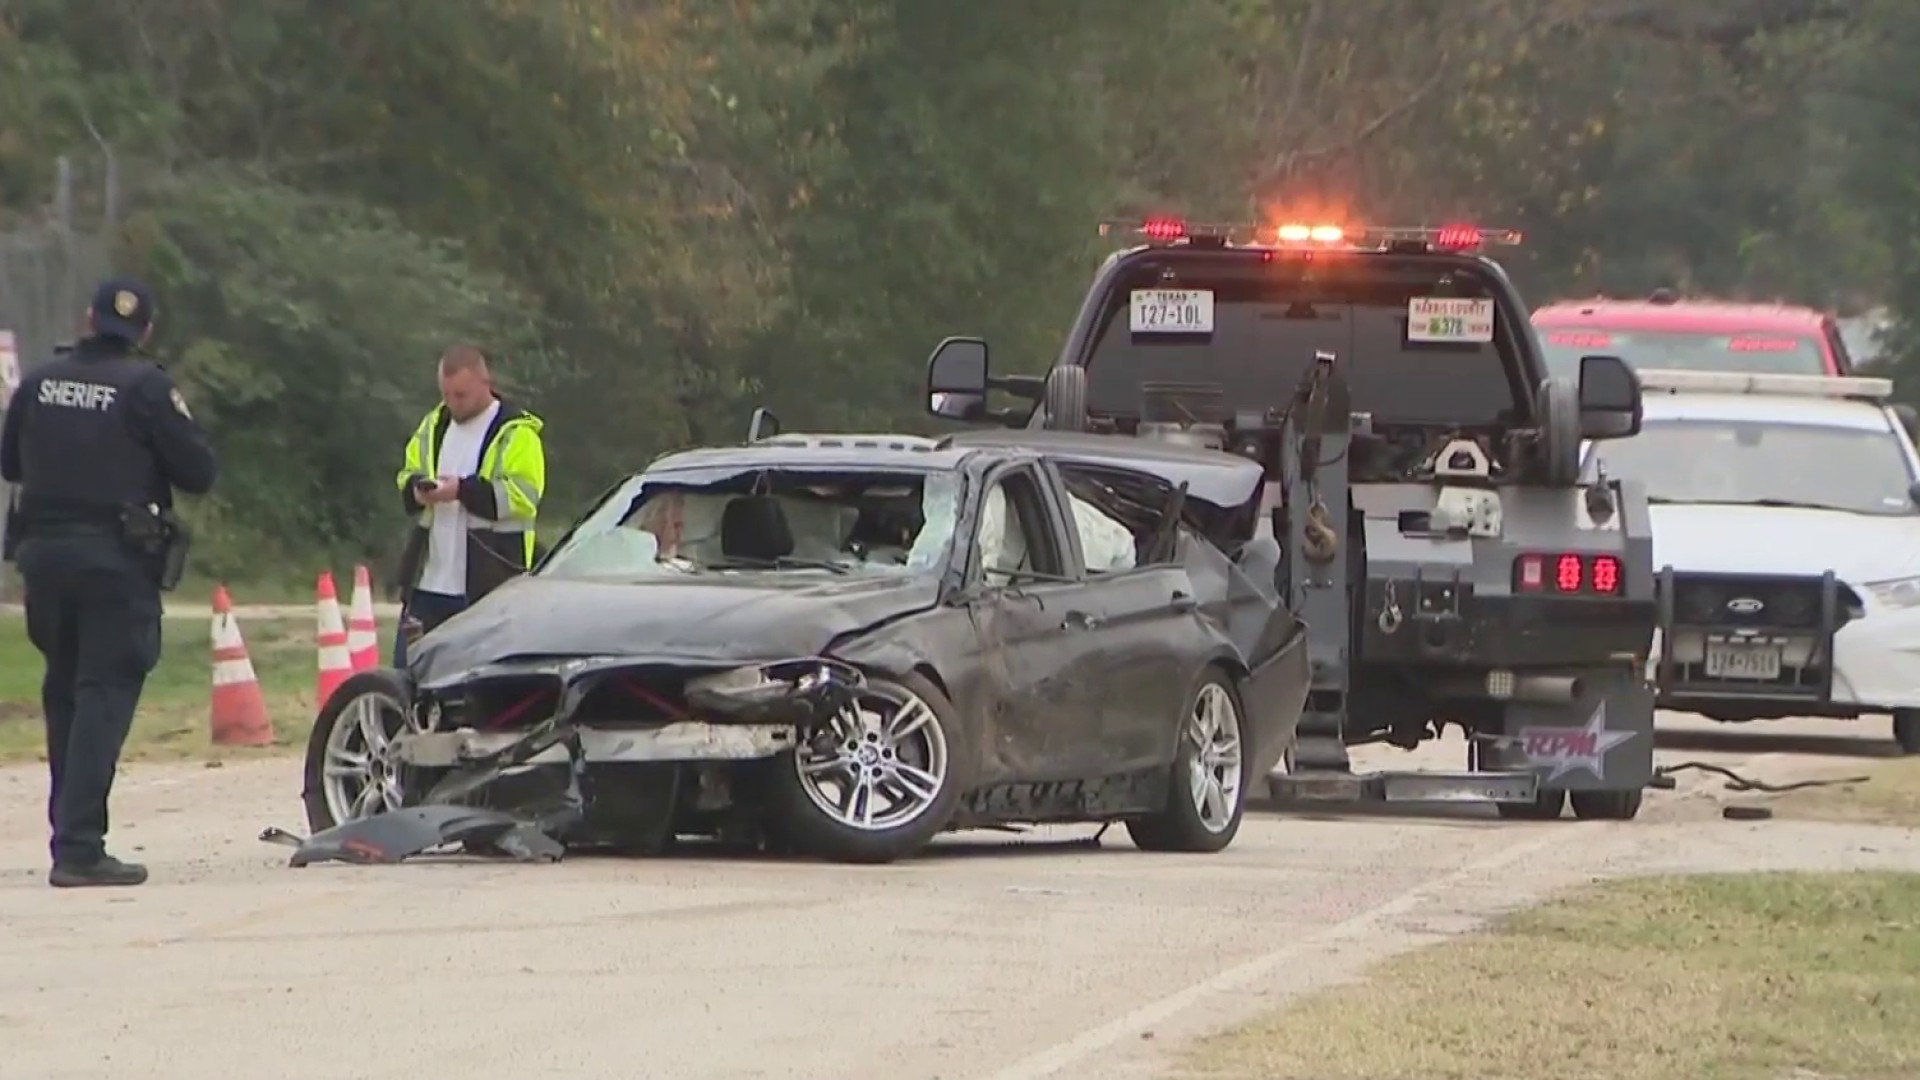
(1702, 978)
(1891, 796)
(172, 723)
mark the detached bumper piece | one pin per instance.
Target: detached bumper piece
(401, 834)
(1736, 637)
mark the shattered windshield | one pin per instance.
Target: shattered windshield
(1702, 461)
(808, 521)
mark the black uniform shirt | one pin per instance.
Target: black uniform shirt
(101, 427)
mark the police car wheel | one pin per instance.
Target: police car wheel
(878, 782)
(1207, 791)
(1605, 805)
(349, 773)
(1546, 806)
(1906, 730)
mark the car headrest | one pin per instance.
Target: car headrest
(755, 527)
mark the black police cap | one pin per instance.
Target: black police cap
(122, 308)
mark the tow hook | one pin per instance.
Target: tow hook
(1390, 617)
(1318, 537)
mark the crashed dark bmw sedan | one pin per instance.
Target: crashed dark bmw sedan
(846, 645)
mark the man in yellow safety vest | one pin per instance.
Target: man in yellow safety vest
(474, 474)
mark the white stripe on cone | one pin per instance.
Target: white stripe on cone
(363, 633)
(331, 647)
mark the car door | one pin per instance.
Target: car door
(1135, 616)
(1040, 700)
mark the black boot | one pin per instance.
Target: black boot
(108, 871)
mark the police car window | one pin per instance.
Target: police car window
(1779, 354)
(1266, 331)
(1702, 461)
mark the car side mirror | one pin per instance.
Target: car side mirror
(1610, 398)
(763, 425)
(957, 379)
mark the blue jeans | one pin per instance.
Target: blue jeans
(431, 609)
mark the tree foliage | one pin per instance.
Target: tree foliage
(660, 213)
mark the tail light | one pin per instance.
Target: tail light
(1567, 574)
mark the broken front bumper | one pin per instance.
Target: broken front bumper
(685, 740)
(721, 714)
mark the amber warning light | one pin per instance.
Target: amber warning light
(1163, 231)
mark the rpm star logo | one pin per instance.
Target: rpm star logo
(1567, 750)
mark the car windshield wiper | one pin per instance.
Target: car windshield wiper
(784, 562)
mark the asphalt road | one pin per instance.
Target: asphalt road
(989, 959)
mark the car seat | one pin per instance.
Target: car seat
(755, 527)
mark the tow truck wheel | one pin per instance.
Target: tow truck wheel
(1606, 805)
(1067, 399)
(1546, 806)
(1906, 730)
(1560, 418)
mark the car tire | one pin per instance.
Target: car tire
(1066, 399)
(387, 692)
(1546, 806)
(798, 807)
(1605, 805)
(1906, 730)
(1181, 826)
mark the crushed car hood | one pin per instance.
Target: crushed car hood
(734, 617)
(1786, 540)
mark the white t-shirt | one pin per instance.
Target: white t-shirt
(446, 569)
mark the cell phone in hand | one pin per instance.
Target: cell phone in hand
(424, 485)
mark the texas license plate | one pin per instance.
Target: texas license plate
(1171, 311)
(1735, 660)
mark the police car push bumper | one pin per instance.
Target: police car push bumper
(1871, 662)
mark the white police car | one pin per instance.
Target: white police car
(1786, 532)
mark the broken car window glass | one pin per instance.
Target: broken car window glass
(790, 520)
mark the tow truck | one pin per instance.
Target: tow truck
(1423, 483)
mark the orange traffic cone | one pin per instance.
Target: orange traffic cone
(239, 714)
(335, 664)
(363, 634)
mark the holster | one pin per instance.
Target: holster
(160, 538)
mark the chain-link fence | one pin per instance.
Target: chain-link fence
(47, 271)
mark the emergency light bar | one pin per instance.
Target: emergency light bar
(1308, 236)
(1740, 382)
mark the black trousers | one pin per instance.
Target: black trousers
(93, 611)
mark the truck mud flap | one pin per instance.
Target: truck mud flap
(1600, 741)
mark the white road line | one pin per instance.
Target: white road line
(1130, 1026)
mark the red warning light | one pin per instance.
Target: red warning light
(1606, 574)
(1567, 573)
(1457, 237)
(1163, 228)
